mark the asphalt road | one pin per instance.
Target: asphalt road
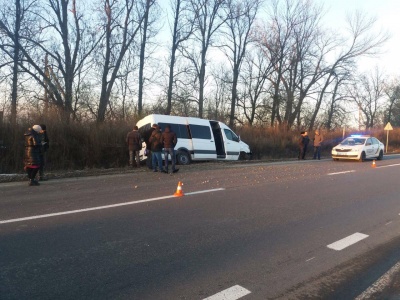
(288, 230)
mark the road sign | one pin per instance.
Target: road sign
(388, 126)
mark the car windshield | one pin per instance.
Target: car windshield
(353, 141)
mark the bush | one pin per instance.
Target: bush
(77, 146)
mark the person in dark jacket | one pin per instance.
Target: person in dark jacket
(33, 147)
(146, 139)
(156, 148)
(134, 141)
(303, 144)
(169, 140)
(43, 153)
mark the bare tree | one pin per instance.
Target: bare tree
(123, 22)
(14, 17)
(207, 21)
(367, 92)
(61, 41)
(147, 23)
(335, 110)
(253, 102)
(362, 40)
(241, 15)
(392, 91)
(181, 31)
(275, 41)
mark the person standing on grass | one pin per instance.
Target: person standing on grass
(33, 148)
(169, 140)
(318, 139)
(134, 141)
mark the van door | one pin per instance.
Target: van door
(203, 142)
(232, 145)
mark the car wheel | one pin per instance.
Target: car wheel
(380, 155)
(183, 158)
(362, 157)
(335, 159)
(244, 156)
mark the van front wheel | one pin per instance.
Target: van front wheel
(182, 158)
(244, 156)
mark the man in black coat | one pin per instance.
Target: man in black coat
(43, 153)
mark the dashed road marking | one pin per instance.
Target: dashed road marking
(310, 259)
(232, 293)
(102, 207)
(344, 172)
(347, 241)
(387, 166)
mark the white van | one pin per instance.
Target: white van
(198, 139)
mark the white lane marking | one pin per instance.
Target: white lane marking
(388, 222)
(101, 207)
(344, 172)
(205, 191)
(310, 259)
(394, 165)
(380, 284)
(347, 241)
(232, 293)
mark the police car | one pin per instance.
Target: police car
(359, 147)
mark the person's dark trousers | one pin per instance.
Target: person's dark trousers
(31, 172)
(167, 152)
(42, 165)
(149, 163)
(303, 155)
(317, 152)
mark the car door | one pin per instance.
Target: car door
(203, 142)
(376, 145)
(369, 148)
(232, 145)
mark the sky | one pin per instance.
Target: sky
(387, 14)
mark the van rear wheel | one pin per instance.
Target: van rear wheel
(182, 158)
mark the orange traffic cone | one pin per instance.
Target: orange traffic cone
(373, 164)
(179, 192)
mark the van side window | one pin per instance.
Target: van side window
(179, 129)
(200, 132)
(231, 136)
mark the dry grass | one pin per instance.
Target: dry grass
(77, 146)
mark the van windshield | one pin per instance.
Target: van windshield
(230, 135)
